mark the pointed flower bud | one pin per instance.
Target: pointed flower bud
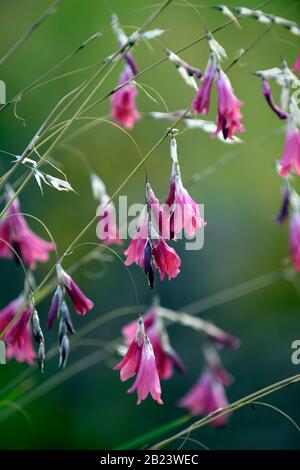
(55, 306)
(64, 351)
(269, 98)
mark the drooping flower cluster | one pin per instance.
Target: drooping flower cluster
(288, 110)
(290, 158)
(17, 238)
(229, 115)
(148, 248)
(157, 224)
(208, 394)
(165, 356)
(184, 211)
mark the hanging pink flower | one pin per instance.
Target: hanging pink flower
(294, 239)
(15, 231)
(206, 396)
(124, 109)
(202, 99)
(147, 248)
(18, 336)
(165, 356)
(184, 211)
(291, 154)
(107, 230)
(269, 98)
(140, 361)
(81, 303)
(229, 115)
(296, 65)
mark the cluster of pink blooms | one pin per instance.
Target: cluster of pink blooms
(18, 241)
(148, 248)
(229, 115)
(151, 358)
(290, 159)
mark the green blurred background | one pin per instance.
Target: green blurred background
(91, 409)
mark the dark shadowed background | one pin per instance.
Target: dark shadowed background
(91, 409)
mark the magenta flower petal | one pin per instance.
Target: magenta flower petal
(229, 116)
(294, 240)
(140, 361)
(166, 259)
(202, 99)
(291, 155)
(16, 330)
(165, 356)
(21, 349)
(205, 397)
(15, 231)
(147, 380)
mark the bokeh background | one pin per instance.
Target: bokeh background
(91, 410)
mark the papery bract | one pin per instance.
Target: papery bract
(296, 65)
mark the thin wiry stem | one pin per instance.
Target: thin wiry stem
(30, 30)
(228, 409)
(115, 58)
(147, 69)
